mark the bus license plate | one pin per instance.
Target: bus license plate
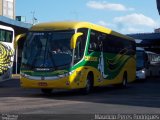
(42, 84)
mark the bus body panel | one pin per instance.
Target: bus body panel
(107, 68)
(78, 77)
(7, 52)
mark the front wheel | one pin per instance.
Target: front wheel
(46, 91)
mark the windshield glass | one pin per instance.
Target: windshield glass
(140, 59)
(48, 49)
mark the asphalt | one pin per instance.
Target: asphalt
(141, 97)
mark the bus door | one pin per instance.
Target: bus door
(96, 50)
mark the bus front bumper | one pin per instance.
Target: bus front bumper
(61, 83)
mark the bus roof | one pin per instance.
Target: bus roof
(6, 28)
(68, 25)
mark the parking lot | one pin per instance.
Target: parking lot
(138, 97)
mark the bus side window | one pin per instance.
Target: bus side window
(78, 54)
(2, 35)
(8, 36)
(80, 46)
(94, 45)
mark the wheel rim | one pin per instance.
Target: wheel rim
(88, 85)
(124, 81)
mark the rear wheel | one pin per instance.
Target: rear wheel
(89, 85)
(46, 91)
(124, 81)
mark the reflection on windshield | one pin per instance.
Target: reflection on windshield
(140, 59)
(48, 49)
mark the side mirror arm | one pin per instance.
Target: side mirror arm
(74, 39)
(17, 38)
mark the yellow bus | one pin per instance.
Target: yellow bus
(6, 52)
(74, 55)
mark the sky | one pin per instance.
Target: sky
(124, 16)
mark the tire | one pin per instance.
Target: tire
(124, 81)
(46, 91)
(89, 86)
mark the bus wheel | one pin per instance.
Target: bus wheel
(89, 86)
(46, 91)
(125, 81)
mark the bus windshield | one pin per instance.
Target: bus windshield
(49, 49)
(140, 59)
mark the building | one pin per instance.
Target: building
(157, 30)
(8, 18)
(149, 41)
(7, 8)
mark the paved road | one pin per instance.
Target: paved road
(139, 97)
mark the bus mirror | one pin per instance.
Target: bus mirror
(18, 37)
(74, 39)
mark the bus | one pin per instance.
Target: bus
(76, 55)
(6, 52)
(142, 64)
(154, 66)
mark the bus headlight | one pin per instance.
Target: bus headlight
(143, 71)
